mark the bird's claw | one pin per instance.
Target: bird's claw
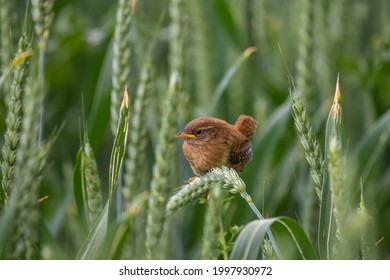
(190, 180)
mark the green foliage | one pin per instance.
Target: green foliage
(93, 244)
(200, 61)
(292, 240)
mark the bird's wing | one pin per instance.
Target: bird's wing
(241, 155)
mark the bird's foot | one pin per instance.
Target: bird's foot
(206, 194)
(190, 180)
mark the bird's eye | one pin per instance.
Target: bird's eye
(198, 132)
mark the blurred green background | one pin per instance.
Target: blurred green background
(346, 37)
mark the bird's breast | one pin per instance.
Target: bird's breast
(203, 156)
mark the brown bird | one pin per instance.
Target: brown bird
(211, 142)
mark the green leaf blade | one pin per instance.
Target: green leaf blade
(249, 240)
(93, 243)
(227, 77)
(79, 188)
(119, 148)
(326, 223)
(291, 239)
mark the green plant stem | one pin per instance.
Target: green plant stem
(271, 237)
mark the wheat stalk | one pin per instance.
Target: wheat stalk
(159, 186)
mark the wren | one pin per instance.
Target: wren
(210, 142)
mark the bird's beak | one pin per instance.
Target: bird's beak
(185, 135)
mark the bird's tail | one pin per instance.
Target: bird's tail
(246, 125)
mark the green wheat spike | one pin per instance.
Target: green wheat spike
(121, 58)
(5, 40)
(138, 138)
(335, 18)
(321, 47)
(161, 170)
(385, 18)
(190, 193)
(350, 223)
(211, 227)
(259, 30)
(201, 52)
(42, 14)
(225, 178)
(93, 184)
(25, 233)
(309, 142)
(30, 162)
(305, 49)
(14, 120)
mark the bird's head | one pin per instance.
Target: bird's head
(205, 129)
